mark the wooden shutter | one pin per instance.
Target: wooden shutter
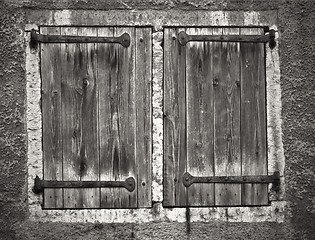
(215, 119)
(96, 108)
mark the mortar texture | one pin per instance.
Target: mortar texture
(297, 55)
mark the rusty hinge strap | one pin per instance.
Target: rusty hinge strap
(39, 185)
(124, 39)
(188, 179)
(184, 38)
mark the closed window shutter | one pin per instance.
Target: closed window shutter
(96, 108)
(215, 119)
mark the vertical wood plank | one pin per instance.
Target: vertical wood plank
(253, 119)
(80, 148)
(51, 107)
(125, 164)
(117, 116)
(89, 149)
(199, 95)
(227, 118)
(71, 121)
(108, 129)
(174, 119)
(143, 114)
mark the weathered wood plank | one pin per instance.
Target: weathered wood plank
(127, 116)
(143, 114)
(117, 117)
(174, 119)
(71, 122)
(253, 119)
(51, 107)
(227, 119)
(125, 164)
(108, 129)
(199, 95)
(89, 149)
(80, 148)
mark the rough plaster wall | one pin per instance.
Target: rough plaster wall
(296, 24)
(12, 124)
(160, 231)
(297, 54)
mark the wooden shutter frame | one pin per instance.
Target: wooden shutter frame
(142, 54)
(173, 196)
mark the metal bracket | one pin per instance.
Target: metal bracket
(39, 185)
(184, 38)
(124, 39)
(272, 41)
(188, 179)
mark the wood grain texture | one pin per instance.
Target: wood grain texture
(126, 116)
(80, 148)
(227, 118)
(51, 107)
(89, 151)
(107, 122)
(199, 98)
(117, 118)
(175, 150)
(253, 119)
(71, 121)
(104, 106)
(143, 114)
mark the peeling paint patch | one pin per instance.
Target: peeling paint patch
(62, 17)
(157, 162)
(276, 158)
(34, 120)
(154, 18)
(251, 19)
(273, 213)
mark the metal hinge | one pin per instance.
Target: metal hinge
(188, 179)
(184, 38)
(124, 39)
(39, 185)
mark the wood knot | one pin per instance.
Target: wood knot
(215, 82)
(85, 82)
(82, 168)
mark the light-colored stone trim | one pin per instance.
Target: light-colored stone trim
(158, 20)
(155, 18)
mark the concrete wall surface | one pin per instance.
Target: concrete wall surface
(296, 51)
